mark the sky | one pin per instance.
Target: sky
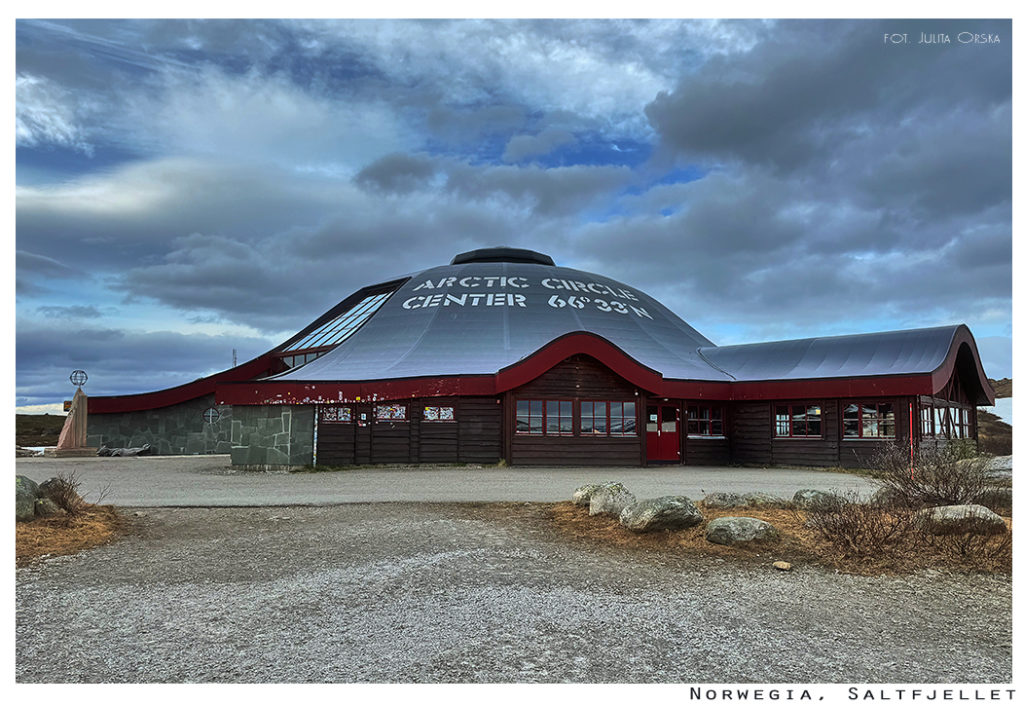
(189, 188)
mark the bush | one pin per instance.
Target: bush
(946, 476)
(855, 529)
(63, 491)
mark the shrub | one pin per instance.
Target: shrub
(855, 529)
(943, 476)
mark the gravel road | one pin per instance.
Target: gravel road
(209, 481)
(422, 592)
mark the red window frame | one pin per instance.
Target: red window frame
(788, 424)
(539, 414)
(613, 419)
(701, 421)
(876, 418)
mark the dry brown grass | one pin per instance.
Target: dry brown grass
(66, 534)
(797, 544)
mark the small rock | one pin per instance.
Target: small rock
(59, 491)
(809, 497)
(25, 490)
(581, 496)
(611, 499)
(737, 530)
(959, 519)
(47, 508)
(782, 565)
(668, 512)
(723, 501)
(886, 497)
(765, 500)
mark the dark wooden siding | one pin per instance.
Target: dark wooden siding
(751, 433)
(474, 436)
(823, 451)
(707, 452)
(577, 378)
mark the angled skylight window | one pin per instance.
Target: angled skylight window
(344, 325)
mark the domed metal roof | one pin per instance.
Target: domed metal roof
(494, 307)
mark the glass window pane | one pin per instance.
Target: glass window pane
(850, 427)
(601, 425)
(814, 427)
(799, 426)
(869, 428)
(629, 409)
(536, 408)
(717, 429)
(523, 407)
(781, 426)
(668, 414)
(536, 425)
(586, 409)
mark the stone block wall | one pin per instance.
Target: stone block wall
(272, 436)
(174, 430)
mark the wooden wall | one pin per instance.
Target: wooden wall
(474, 436)
(577, 378)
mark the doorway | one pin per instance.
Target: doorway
(663, 433)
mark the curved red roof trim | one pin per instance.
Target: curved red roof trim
(532, 367)
(941, 376)
(181, 393)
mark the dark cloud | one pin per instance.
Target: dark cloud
(804, 177)
(396, 173)
(119, 361)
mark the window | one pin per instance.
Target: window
(702, 420)
(608, 418)
(344, 325)
(529, 417)
(797, 420)
(869, 420)
(390, 413)
(439, 414)
(336, 415)
(544, 417)
(927, 421)
(558, 417)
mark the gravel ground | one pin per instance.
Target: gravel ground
(209, 481)
(426, 592)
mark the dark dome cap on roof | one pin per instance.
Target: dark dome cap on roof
(503, 254)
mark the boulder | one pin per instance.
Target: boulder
(738, 530)
(765, 500)
(886, 497)
(723, 500)
(668, 512)
(999, 500)
(45, 507)
(959, 519)
(59, 491)
(581, 496)
(809, 497)
(610, 499)
(25, 490)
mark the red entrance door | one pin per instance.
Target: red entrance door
(663, 433)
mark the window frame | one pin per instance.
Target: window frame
(709, 421)
(878, 420)
(609, 418)
(423, 414)
(544, 416)
(789, 420)
(351, 414)
(378, 419)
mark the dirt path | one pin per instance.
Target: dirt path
(477, 593)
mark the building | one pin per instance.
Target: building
(503, 355)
